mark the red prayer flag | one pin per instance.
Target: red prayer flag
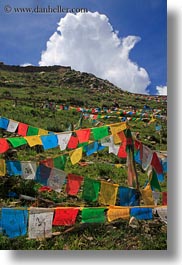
(83, 135)
(73, 184)
(45, 188)
(4, 146)
(122, 150)
(164, 198)
(156, 164)
(66, 216)
(47, 162)
(73, 142)
(122, 136)
(22, 129)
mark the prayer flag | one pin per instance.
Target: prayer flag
(76, 155)
(156, 164)
(91, 188)
(83, 135)
(108, 193)
(162, 212)
(17, 141)
(115, 129)
(65, 216)
(73, 184)
(33, 140)
(3, 123)
(40, 223)
(154, 181)
(132, 175)
(42, 174)
(91, 148)
(164, 198)
(13, 168)
(73, 142)
(4, 146)
(100, 132)
(146, 156)
(56, 179)
(115, 213)
(49, 141)
(147, 195)
(2, 168)
(128, 196)
(141, 213)
(32, 131)
(28, 169)
(122, 150)
(156, 196)
(93, 215)
(60, 161)
(12, 126)
(107, 141)
(22, 129)
(14, 222)
(42, 132)
(48, 162)
(63, 139)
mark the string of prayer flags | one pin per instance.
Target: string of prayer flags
(76, 155)
(14, 168)
(33, 140)
(2, 168)
(73, 142)
(100, 132)
(108, 193)
(17, 141)
(49, 141)
(59, 162)
(65, 216)
(22, 129)
(40, 223)
(3, 123)
(42, 174)
(164, 198)
(63, 139)
(83, 135)
(12, 126)
(128, 196)
(28, 169)
(147, 195)
(4, 146)
(73, 184)
(115, 213)
(14, 222)
(91, 188)
(93, 215)
(141, 213)
(56, 179)
(32, 131)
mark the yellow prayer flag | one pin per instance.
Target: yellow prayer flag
(118, 165)
(116, 128)
(2, 168)
(33, 140)
(115, 213)
(108, 192)
(42, 132)
(76, 155)
(147, 195)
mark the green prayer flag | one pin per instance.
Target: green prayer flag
(91, 188)
(32, 131)
(93, 215)
(17, 141)
(154, 181)
(60, 161)
(100, 132)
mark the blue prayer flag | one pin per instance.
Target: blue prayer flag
(14, 222)
(160, 177)
(137, 157)
(91, 148)
(4, 123)
(42, 174)
(14, 168)
(49, 141)
(141, 213)
(128, 196)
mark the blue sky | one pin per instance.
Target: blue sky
(23, 37)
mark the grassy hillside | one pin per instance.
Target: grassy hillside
(23, 94)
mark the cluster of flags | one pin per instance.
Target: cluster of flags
(38, 222)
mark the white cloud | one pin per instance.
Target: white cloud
(161, 90)
(25, 64)
(88, 43)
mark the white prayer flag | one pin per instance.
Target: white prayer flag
(56, 179)
(28, 169)
(63, 139)
(147, 157)
(12, 126)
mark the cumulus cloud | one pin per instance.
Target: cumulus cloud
(25, 64)
(88, 43)
(161, 90)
